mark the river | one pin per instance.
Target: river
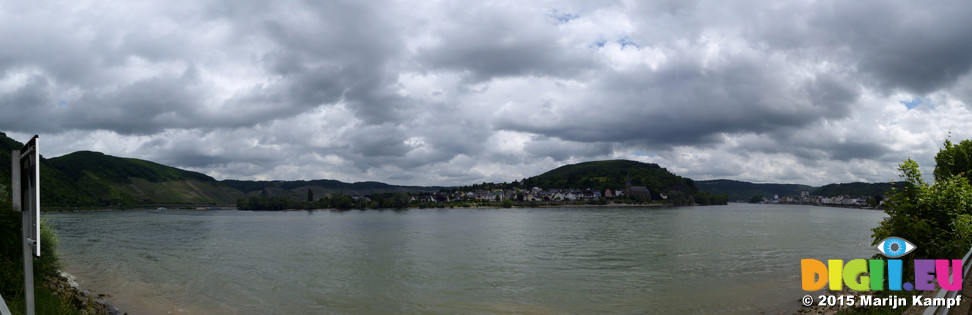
(739, 258)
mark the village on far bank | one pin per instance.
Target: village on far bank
(806, 198)
(536, 194)
(505, 197)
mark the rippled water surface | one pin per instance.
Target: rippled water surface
(738, 258)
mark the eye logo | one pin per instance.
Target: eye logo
(895, 247)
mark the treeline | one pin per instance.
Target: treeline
(403, 201)
(339, 201)
(706, 199)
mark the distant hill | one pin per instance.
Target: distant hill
(120, 170)
(601, 175)
(6, 145)
(94, 179)
(56, 188)
(857, 189)
(738, 190)
(127, 181)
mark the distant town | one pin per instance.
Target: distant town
(497, 197)
(837, 201)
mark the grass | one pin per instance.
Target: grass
(45, 302)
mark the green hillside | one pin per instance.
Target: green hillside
(601, 175)
(120, 170)
(738, 190)
(94, 179)
(188, 191)
(6, 145)
(115, 181)
(56, 188)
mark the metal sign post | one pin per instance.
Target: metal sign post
(25, 175)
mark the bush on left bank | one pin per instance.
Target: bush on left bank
(46, 300)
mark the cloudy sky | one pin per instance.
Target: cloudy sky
(461, 92)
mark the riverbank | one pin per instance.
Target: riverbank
(411, 207)
(86, 302)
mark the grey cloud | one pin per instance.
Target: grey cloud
(351, 48)
(685, 104)
(502, 42)
(20, 105)
(857, 150)
(918, 47)
(374, 141)
(335, 52)
(825, 149)
(560, 150)
(144, 107)
(191, 149)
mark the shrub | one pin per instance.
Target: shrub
(12, 264)
(935, 217)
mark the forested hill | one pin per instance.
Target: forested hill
(739, 190)
(601, 175)
(56, 188)
(120, 170)
(94, 179)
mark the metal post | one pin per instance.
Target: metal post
(15, 194)
(24, 205)
(28, 264)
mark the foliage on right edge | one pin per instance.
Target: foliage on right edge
(936, 217)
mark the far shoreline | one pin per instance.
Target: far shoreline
(489, 206)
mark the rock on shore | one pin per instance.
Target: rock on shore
(85, 301)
